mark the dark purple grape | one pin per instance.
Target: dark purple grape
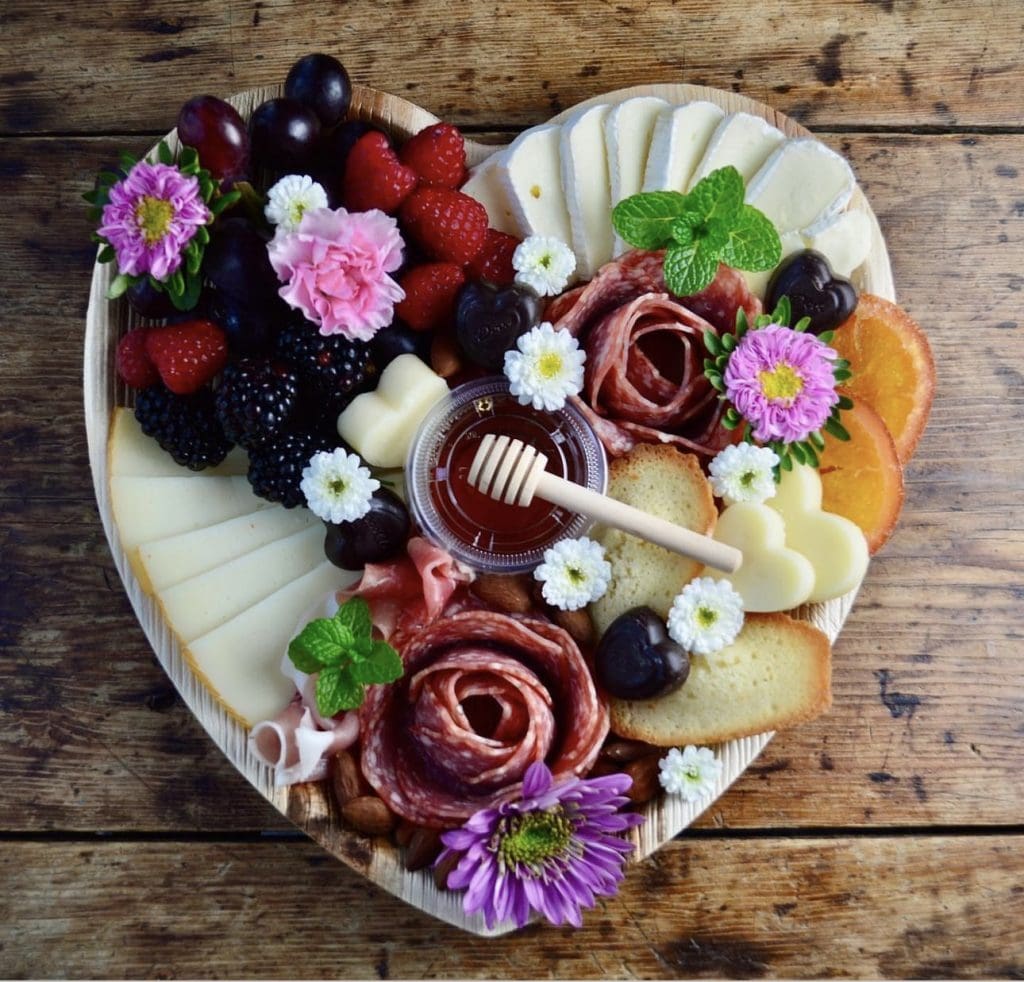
(488, 321)
(217, 132)
(636, 659)
(148, 301)
(814, 291)
(398, 339)
(236, 262)
(284, 134)
(379, 535)
(249, 329)
(321, 83)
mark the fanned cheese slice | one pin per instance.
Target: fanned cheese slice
(742, 141)
(198, 605)
(240, 660)
(485, 185)
(801, 183)
(585, 183)
(681, 136)
(530, 173)
(627, 134)
(845, 240)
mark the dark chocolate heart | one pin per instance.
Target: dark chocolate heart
(814, 291)
(488, 321)
(636, 659)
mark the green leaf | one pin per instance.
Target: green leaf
(189, 297)
(321, 642)
(712, 342)
(193, 259)
(118, 285)
(802, 324)
(826, 337)
(202, 235)
(812, 457)
(106, 254)
(741, 322)
(716, 382)
(188, 157)
(717, 200)
(354, 615)
(817, 439)
(731, 419)
(785, 461)
(729, 342)
(384, 664)
(164, 153)
(753, 242)
(176, 283)
(645, 220)
(833, 426)
(688, 269)
(127, 160)
(797, 450)
(842, 375)
(336, 690)
(845, 402)
(783, 311)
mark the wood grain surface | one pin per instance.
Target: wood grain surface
(905, 802)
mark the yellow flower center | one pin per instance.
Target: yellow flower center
(782, 383)
(550, 365)
(154, 217)
(706, 616)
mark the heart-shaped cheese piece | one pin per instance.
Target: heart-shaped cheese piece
(380, 425)
(835, 547)
(772, 576)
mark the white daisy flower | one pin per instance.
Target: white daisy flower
(692, 773)
(574, 573)
(290, 198)
(706, 616)
(547, 368)
(337, 488)
(743, 472)
(544, 264)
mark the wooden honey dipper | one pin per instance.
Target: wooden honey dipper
(511, 471)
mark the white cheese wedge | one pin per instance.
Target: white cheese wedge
(530, 172)
(587, 190)
(801, 183)
(835, 547)
(148, 508)
(742, 141)
(180, 557)
(681, 136)
(380, 425)
(198, 605)
(844, 240)
(130, 453)
(485, 185)
(240, 660)
(628, 130)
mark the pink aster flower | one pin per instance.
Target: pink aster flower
(150, 217)
(781, 382)
(334, 266)
(554, 851)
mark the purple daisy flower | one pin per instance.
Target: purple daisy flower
(554, 851)
(150, 217)
(781, 382)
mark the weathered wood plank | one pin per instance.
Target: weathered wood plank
(820, 908)
(888, 63)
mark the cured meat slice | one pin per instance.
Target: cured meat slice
(436, 758)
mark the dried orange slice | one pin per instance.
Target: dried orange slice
(892, 365)
(862, 478)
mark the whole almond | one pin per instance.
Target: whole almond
(424, 847)
(509, 594)
(577, 624)
(445, 357)
(404, 832)
(644, 773)
(345, 778)
(369, 815)
(624, 751)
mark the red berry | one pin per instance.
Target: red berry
(375, 177)
(494, 261)
(449, 226)
(438, 155)
(133, 364)
(187, 355)
(430, 293)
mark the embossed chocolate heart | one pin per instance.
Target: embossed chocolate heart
(488, 321)
(814, 291)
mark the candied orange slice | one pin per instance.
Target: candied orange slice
(862, 478)
(892, 365)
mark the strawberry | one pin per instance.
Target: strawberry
(374, 176)
(187, 355)
(494, 261)
(438, 155)
(133, 364)
(448, 225)
(430, 292)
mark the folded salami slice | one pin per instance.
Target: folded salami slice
(484, 695)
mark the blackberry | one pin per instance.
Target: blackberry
(185, 426)
(275, 469)
(255, 399)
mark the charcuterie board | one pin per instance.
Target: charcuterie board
(311, 806)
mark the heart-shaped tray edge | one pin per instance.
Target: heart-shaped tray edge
(311, 807)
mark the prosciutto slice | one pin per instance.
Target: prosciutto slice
(425, 750)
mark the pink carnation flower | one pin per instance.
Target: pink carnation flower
(150, 217)
(334, 267)
(781, 382)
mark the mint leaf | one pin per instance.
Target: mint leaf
(321, 642)
(688, 269)
(355, 615)
(644, 220)
(384, 664)
(752, 242)
(337, 690)
(717, 198)
(691, 227)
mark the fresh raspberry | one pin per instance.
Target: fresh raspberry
(494, 261)
(187, 355)
(430, 292)
(375, 177)
(448, 225)
(133, 364)
(438, 155)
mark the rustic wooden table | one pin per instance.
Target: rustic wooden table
(884, 839)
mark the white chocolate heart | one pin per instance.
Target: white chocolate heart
(772, 577)
(835, 547)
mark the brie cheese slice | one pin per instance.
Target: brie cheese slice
(681, 136)
(741, 141)
(530, 173)
(844, 240)
(484, 184)
(587, 189)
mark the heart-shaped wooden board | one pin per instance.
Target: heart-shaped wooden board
(311, 806)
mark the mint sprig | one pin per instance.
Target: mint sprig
(700, 229)
(343, 655)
